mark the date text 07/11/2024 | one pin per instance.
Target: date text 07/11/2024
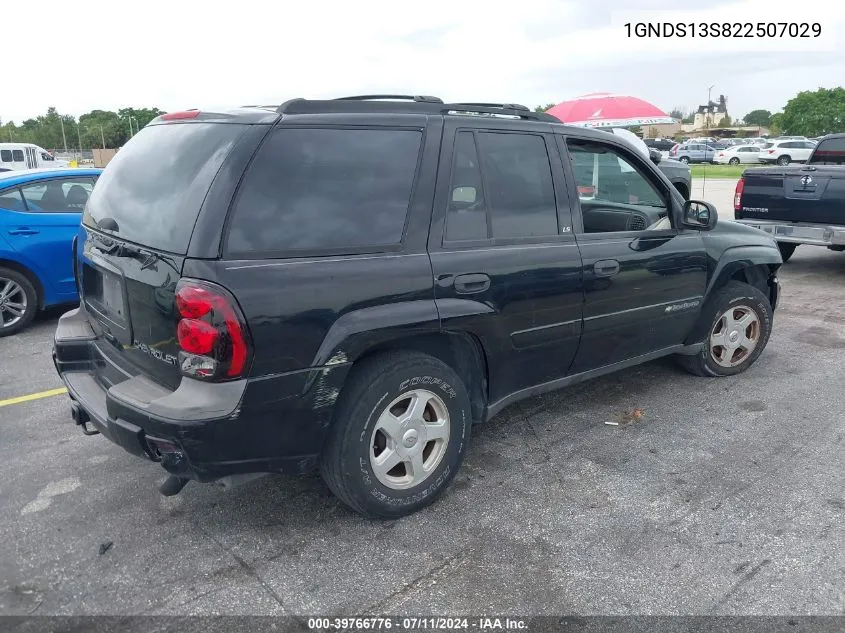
(416, 624)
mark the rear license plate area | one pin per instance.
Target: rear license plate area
(104, 291)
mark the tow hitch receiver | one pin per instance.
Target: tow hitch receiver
(81, 417)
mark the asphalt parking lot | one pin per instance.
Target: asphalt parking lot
(726, 497)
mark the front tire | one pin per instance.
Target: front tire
(786, 249)
(18, 301)
(400, 432)
(739, 318)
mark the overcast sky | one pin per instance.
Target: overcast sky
(108, 54)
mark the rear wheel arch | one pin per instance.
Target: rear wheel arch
(461, 351)
(29, 274)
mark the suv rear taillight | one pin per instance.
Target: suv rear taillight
(212, 334)
(740, 185)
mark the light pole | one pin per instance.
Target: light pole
(64, 138)
(79, 137)
(102, 137)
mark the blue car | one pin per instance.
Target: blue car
(40, 213)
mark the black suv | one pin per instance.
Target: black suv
(348, 285)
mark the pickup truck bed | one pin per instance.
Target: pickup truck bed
(801, 204)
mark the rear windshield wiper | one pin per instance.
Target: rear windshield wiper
(147, 258)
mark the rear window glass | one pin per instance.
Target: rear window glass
(830, 152)
(6, 155)
(326, 189)
(155, 185)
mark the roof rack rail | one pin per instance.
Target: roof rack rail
(409, 104)
(287, 104)
(504, 106)
(415, 98)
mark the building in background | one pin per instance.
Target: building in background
(711, 115)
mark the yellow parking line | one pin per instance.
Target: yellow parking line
(33, 396)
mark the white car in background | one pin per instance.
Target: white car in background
(785, 152)
(737, 154)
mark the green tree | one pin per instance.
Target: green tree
(725, 122)
(136, 118)
(815, 113)
(689, 119)
(545, 108)
(100, 127)
(776, 124)
(761, 118)
(677, 113)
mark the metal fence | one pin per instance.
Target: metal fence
(80, 157)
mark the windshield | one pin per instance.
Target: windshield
(152, 190)
(829, 152)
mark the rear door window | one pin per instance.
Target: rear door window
(17, 155)
(830, 152)
(325, 189)
(61, 195)
(155, 185)
(514, 199)
(520, 191)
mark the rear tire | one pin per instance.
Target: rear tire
(786, 249)
(784, 160)
(402, 408)
(684, 159)
(734, 161)
(18, 301)
(739, 318)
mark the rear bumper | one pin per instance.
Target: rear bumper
(798, 233)
(202, 431)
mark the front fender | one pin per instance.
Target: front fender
(736, 258)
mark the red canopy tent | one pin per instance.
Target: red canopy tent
(601, 109)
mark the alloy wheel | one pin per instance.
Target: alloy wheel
(13, 302)
(735, 336)
(409, 439)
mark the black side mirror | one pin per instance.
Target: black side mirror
(699, 215)
(655, 155)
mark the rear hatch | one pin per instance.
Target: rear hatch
(134, 237)
(810, 193)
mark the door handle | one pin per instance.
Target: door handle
(606, 267)
(24, 230)
(471, 283)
